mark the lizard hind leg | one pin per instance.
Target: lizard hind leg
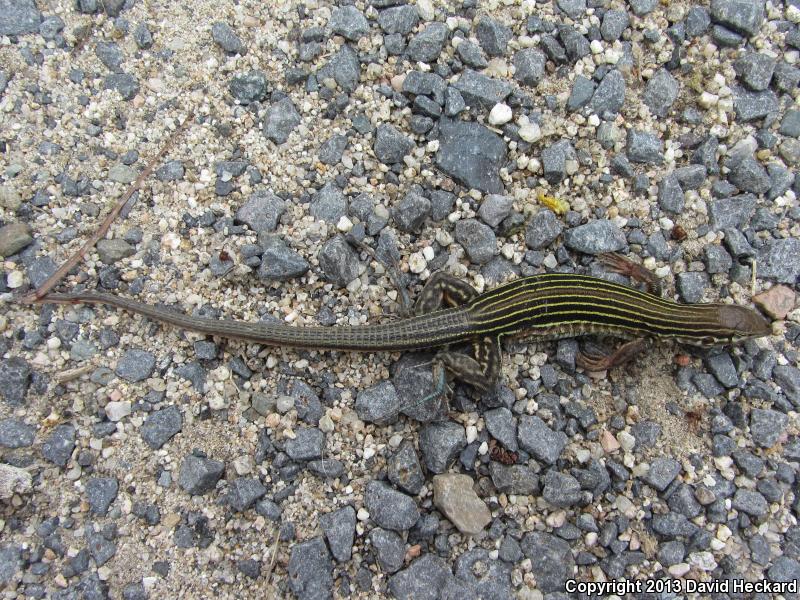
(480, 370)
(598, 361)
(443, 290)
(617, 263)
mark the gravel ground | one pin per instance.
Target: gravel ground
(489, 139)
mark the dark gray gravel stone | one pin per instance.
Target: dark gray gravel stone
(161, 426)
(172, 170)
(261, 211)
(779, 260)
(142, 36)
(440, 444)
(340, 528)
(537, 439)
(755, 70)
(673, 525)
(471, 55)
(644, 147)
(574, 9)
(412, 210)
(609, 96)
(453, 102)
(268, 509)
(100, 493)
(244, 492)
(642, 7)
(308, 444)
(736, 211)
(15, 373)
(615, 22)
(199, 475)
(501, 426)
(581, 94)
(510, 550)
(338, 261)
(281, 119)
(426, 46)
(788, 379)
(749, 175)
(389, 548)
(349, 22)
(529, 65)
(492, 35)
(331, 150)
(671, 553)
(554, 160)
(742, 16)
(750, 502)
(595, 237)
(784, 569)
(225, 37)
(278, 262)
(790, 124)
(663, 471)
(660, 93)
(390, 145)
(691, 177)
(750, 464)
(344, 67)
(110, 54)
(18, 17)
(124, 83)
(471, 154)
(113, 251)
(670, 194)
(697, 21)
(706, 155)
(101, 549)
(766, 426)
(513, 479)
(404, 469)
(479, 576)
(378, 404)
(478, 240)
(692, 285)
(575, 44)
(561, 489)
(311, 570)
(329, 204)
(481, 91)
(58, 446)
(495, 208)
(752, 106)
(398, 19)
(389, 508)
(543, 229)
(683, 501)
(722, 367)
(14, 433)
(420, 83)
(551, 558)
(553, 49)
(422, 580)
(136, 365)
(327, 468)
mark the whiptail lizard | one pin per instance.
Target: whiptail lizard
(451, 312)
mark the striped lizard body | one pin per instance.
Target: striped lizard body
(539, 307)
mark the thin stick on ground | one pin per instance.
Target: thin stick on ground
(52, 281)
(271, 565)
